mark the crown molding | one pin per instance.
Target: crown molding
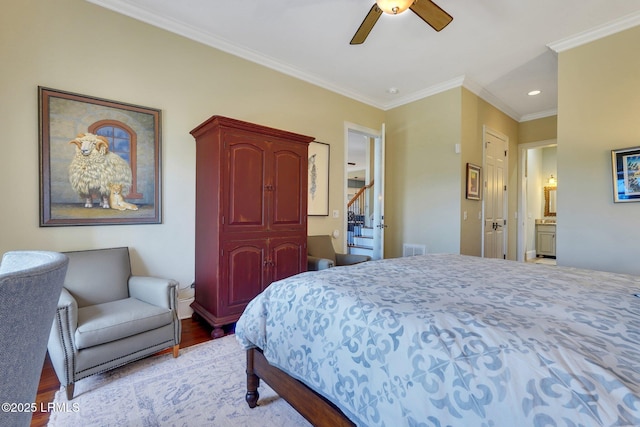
(141, 14)
(621, 24)
(177, 27)
(467, 83)
(539, 115)
(481, 92)
(430, 91)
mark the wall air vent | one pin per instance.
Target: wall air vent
(411, 249)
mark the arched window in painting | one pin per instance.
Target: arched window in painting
(123, 142)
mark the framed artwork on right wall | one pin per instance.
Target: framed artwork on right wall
(625, 165)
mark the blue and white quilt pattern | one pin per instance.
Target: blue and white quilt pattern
(450, 340)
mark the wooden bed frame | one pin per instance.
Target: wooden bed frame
(315, 408)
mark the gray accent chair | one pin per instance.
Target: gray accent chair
(321, 254)
(107, 318)
(30, 284)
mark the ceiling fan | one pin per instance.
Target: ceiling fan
(430, 13)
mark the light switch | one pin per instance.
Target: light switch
(336, 213)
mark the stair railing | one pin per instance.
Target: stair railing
(356, 213)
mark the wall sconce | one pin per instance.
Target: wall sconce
(552, 182)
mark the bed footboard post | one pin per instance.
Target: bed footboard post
(253, 381)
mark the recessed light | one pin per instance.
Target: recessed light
(534, 93)
(393, 90)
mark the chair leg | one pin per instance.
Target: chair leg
(69, 389)
(176, 349)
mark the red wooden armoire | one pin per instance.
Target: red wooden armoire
(251, 214)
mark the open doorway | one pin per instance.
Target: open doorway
(364, 191)
(538, 180)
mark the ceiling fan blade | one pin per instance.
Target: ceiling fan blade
(365, 28)
(431, 13)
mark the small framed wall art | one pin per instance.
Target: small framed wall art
(473, 182)
(318, 179)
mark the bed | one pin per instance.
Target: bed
(449, 340)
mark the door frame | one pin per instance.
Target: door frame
(377, 136)
(522, 200)
(505, 202)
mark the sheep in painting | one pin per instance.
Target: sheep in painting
(94, 168)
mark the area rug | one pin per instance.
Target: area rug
(204, 386)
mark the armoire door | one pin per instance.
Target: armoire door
(288, 256)
(244, 186)
(287, 191)
(243, 275)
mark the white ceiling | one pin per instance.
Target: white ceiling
(498, 49)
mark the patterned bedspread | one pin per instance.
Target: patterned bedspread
(450, 340)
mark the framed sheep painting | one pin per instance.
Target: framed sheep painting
(99, 161)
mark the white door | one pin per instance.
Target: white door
(378, 197)
(495, 196)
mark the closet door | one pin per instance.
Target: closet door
(495, 195)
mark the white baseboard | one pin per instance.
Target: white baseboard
(530, 255)
(185, 298)
(184, 309)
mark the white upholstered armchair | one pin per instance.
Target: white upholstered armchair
(106, 317)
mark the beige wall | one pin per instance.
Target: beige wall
(422, 179)
(426, 179)
(477, 114)
(75, 46)
(543, 129)
(598, 110)
(472, 152)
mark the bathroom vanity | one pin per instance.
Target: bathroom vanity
(546, 237)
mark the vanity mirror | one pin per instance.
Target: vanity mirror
(549, 201)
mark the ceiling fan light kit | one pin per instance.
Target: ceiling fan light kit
(393, 7)
(427, 10)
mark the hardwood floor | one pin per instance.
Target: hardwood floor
(194, 331)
